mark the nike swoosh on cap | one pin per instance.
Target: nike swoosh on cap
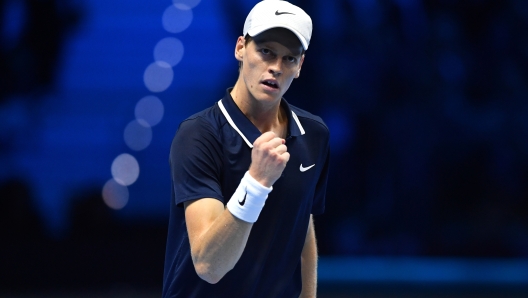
(303, 169)
(277, 13)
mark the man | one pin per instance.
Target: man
(248, 173)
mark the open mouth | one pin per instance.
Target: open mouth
(271, 83)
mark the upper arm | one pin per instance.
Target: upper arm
(196, 162)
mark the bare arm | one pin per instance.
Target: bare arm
(217, 238)
(309, 263)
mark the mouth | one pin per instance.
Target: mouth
(271, 83)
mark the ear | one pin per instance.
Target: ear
(240, 48)
(300, 65)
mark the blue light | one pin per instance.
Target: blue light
(13, 21)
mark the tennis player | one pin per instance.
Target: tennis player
(248, 173)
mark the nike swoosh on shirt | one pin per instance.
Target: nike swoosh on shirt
(303, 169)
(277, 13)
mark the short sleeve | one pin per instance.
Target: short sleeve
(195, 161)
(318, 205)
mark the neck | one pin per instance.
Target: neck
(265, 115)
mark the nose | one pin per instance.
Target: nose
(275, 67)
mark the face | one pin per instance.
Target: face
(270, 62)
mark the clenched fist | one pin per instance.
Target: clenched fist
(268, 158)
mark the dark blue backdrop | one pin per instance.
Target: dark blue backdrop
(425, 100)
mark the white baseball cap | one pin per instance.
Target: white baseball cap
(269, 14)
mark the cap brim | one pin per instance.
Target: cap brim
(257, 30)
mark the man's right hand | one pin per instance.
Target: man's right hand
(268, 158)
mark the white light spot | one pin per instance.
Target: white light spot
(149, 109)
(115, 195)
(138, 134)
(177, 18)
(185, 4)
(158, 76)
(125, 169)
(169, 50)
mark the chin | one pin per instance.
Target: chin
(266, 97)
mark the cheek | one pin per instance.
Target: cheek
(248, 73)
(288, 83)
(292, 76)
(251, 70)
(251, 63)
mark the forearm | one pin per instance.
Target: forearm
(219, 248)
(221, 244)
(309, 265)
(218, 235)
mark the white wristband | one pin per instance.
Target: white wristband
(248, 199)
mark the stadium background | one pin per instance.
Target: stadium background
(426, 102)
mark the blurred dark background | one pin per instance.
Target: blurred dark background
(426, 101)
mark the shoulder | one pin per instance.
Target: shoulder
(311, 121)
(208, 120)
(199, 132)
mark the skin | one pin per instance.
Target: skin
(218, 238)
(272, 55)
(309, 263)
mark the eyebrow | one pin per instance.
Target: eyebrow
(294, 51)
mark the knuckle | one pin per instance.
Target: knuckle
(262, 145)
(267, 147)
(268, 135)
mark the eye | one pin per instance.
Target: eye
(291, 59)
(265, 51)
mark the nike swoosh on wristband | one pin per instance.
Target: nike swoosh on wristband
(277, 13)
(303, 169)
(244, 200)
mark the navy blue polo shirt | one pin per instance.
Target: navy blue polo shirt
(209, 155)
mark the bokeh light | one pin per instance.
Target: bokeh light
(115, 195)
(169, 50)
(185, 4)
(138, 135)
(125, 169)
(176, 18)
(158, 76)
(149, 109)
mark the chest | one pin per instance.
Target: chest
(298, 180)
